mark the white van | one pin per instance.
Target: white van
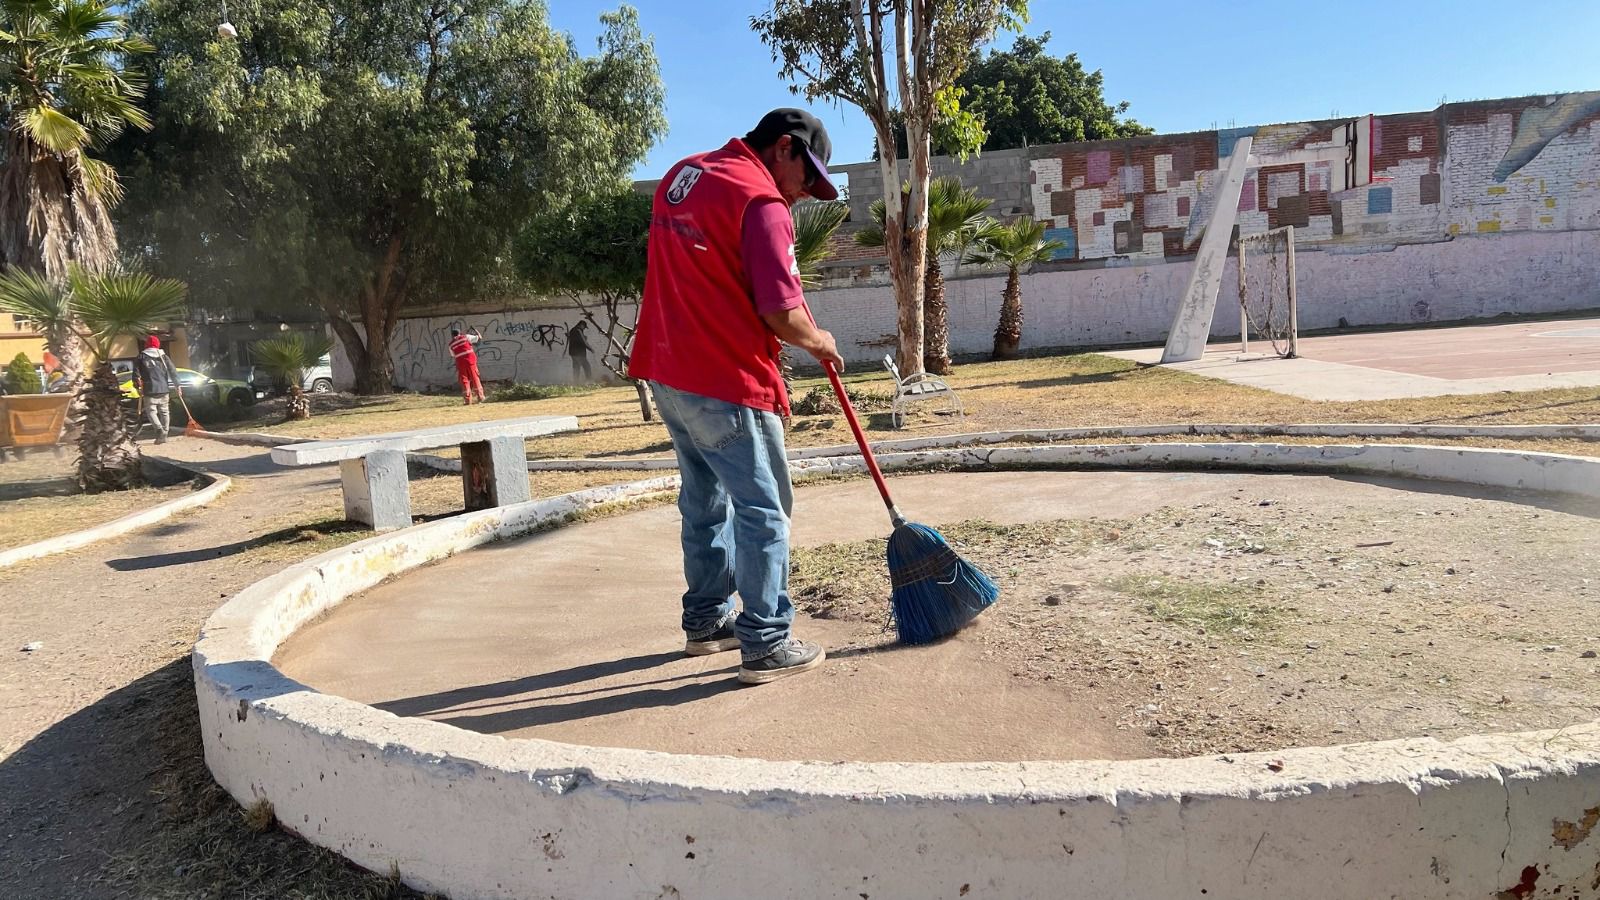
(319, 378)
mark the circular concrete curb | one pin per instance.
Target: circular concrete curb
(474, 815)
(216, 485)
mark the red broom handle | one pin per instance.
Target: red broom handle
(861, 441)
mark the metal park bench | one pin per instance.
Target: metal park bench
(377, 491)
(919, 388)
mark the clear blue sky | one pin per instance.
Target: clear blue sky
(1183, 65)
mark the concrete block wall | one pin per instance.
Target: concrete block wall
(1468, 277)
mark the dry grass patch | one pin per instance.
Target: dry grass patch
(39, 499)
(1043, 392)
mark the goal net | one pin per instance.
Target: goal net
(1267, 310)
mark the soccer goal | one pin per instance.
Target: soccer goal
(1268, 308)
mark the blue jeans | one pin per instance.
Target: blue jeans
(735, 503)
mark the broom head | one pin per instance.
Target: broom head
(936, 592)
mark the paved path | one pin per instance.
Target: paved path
(117, 621)
(1472, 359)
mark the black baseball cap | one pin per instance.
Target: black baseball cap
(807, 129)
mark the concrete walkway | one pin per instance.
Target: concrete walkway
(1475, 359)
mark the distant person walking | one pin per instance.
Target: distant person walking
(578, 348)
(155, 377)
(466, 357)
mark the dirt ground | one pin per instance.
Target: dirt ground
(103, 790)
(1286, 614)
(39, 497)
(1142, 614)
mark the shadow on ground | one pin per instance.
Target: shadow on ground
(313, 531)
(115, 802)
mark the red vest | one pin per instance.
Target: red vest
(698, 328)
(461, 349)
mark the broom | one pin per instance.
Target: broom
(192, 429)
(936, 592)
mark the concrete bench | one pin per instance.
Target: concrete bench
(494, 467)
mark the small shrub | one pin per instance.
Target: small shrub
(522, 391)
(21, 378)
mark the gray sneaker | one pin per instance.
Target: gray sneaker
(717, 641)
(791, 658)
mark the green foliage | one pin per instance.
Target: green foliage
(1025, 96)
(814, 224)
(61, 75)
(819, 46)
(955, 217)
(120, 305)
(519, 391)
(31, 296)
(594, 246)
(288, 357)
(352, 155)
(1018, 245)
(21, 377)
(65, 90)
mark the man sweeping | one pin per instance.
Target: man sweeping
(463, 349)
(721, 290)
(155, 378)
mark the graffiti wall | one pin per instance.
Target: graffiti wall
(1472, 168)
(543, 346)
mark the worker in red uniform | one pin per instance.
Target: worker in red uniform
(721, 290)
(466, 357)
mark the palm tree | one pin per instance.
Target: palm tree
(814, 225)
(49, 307)
(287, 358)
(955, 216)
(1018, 246)
(113, 307)
(65, 91)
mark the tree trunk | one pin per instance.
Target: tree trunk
(644, 401)
(299, 406)
(48, 217)
(935, 325)
(108, 460)
(377, 376)
(1008, 335)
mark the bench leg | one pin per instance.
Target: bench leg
(377, 490)
(494, 473)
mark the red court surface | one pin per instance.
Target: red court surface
(1473, 351)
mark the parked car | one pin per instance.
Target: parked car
(319, 378)
(199, 387)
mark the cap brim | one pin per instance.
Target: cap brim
(822, 188)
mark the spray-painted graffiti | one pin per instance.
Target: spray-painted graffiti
(532, 346)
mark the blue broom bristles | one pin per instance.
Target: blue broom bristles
(936, 592)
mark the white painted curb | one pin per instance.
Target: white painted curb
(252, 438)
(119, 527)
(478, 816)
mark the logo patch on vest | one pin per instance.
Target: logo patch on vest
(683, 184)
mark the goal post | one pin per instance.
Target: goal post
(1268, 300)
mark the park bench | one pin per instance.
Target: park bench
(918, 388)
(31, 420)
(377, 491)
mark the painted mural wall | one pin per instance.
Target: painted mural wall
(1527, 164)
(1475, 210)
